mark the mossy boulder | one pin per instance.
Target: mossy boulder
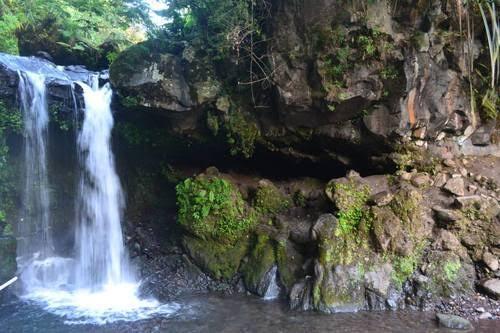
(269, 200)
(290, 263)
(212, 208)
(340, 289)
(349, 192)
(449, 275)
(339, 267)
(221, 261)
(260, 261)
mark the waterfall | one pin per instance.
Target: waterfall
(101, 254)
(273, 289)
(36, 199)
(40, 267)
(97, 285)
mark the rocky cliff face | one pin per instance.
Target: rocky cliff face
(346, 82)
(381, 87)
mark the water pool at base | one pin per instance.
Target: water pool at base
(215, 313)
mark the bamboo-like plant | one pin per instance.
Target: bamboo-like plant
(491, 27)
(491, 24)
(493, 36)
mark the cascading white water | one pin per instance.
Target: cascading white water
(273, 289)
(102, 286)
(97, 285)
(102, 260)
(39, 266)
(36, 191)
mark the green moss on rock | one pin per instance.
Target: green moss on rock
(269, 199)
(289, 262)
(212, 208)
(242, 134)
(449, 275)
(260, 260)
(221, 261)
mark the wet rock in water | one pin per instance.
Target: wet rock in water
(260, 262)
(485, 315)
(379, 279)
(220, 261)
(455, 186)
(453, 322)
(300, 295)
(492, 287)
(341, 290)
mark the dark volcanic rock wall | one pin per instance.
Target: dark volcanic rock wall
(349, 81)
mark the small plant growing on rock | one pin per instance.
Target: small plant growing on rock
(211, 207)
(241, 134)
(350, 200)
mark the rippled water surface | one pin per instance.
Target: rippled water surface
(213, 313)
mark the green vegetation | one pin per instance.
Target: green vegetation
(85, 26)
(451, 269)
(389, 73)
(213, 123)
(56, 116)
(473, 213)
(350, 199)
(350, 238)
(260, 260)
(10, 123)
(404, 266)
(212, 207)
(299, 199)
(340, 50)
(222, 26)
(269, 200)
(130, 101)
(405, 205)
(242, 134)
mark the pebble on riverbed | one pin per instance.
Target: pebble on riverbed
(473, 307)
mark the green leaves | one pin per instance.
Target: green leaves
(81, 24)
(212, 208)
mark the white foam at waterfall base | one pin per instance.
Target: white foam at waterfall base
(113, 303)
(98, 286)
